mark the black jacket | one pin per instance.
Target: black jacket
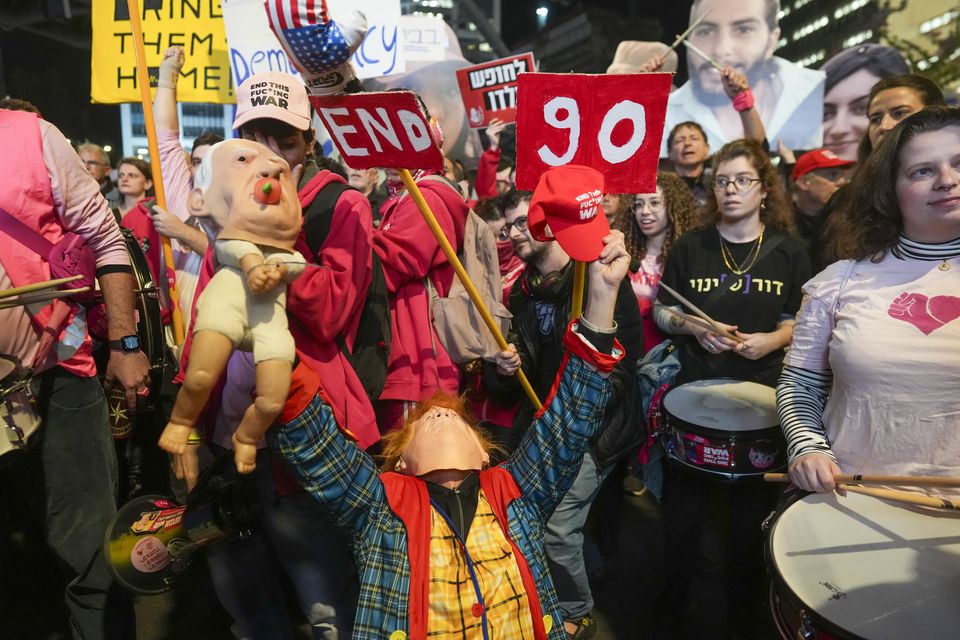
(541, 313)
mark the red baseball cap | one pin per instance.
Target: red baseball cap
(568, 199)
(817, 159)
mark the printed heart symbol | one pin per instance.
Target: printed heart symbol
(926, 314)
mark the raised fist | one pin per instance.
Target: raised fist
(926, 314)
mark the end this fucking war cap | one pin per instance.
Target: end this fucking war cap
(567, 200)
(274, 95)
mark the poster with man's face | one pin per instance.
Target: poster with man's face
(744, 34)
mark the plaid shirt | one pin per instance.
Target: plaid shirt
(345, 479)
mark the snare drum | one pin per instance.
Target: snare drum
(863, 568)
(724, 429)
(18, 420)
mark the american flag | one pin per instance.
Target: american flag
(314, 43)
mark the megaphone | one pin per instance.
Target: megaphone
(151, 541)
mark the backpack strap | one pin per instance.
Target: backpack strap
(319, 215)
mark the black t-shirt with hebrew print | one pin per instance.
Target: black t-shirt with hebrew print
(769, 290)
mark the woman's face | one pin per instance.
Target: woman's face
(650, 211)
(737, 203)
(928, 185)
(130, 182)
(845, 113)
(888, 108)
(610, 205)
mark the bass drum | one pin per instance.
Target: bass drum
(146, 313)
(861, 568)
(724, 429)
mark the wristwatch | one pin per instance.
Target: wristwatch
(126, 344)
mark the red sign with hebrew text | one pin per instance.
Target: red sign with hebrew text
(379, 130)
(613, 123)
(489, 90)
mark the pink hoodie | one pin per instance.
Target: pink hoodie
(418, 365)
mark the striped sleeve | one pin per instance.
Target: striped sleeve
(801, 397)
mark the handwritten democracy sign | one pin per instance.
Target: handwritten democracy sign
(379, 130)
(254, 49)
(489, 90)
(196, 25)
(612, 123)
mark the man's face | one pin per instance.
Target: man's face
(196, 159)
(282, 139)
(523, 242)
(688, 148)
(734, 33)
(238, 168)
(362, 179)
(95, 165)
(820, 184)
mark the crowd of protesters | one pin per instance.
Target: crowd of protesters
(849, 237)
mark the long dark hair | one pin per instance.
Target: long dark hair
(870, 221)
(683, 214)
(775, 212)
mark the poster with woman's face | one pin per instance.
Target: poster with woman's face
(850, 76)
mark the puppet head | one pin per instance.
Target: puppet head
(249, 192)
(438, 435)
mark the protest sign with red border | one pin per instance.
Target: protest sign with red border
(379, 130)
(489, 90)
(613, 123)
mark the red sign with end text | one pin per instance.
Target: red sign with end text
(613, 123)
(379, 130)
(489, 90)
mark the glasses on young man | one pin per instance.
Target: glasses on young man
(94, 163)
(520, 224)
(740, 183)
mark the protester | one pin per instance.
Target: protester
(493, 179)
(445, 544)
(97, 163)
(816, 176)
(850, 75)
(688, 149)
(134, 182)
(541, 303)
(891, 100)
(747, 241)
(367, 182)
(656, 222)
(889, 300)
(615, 207)
(742, 35)
(68, 479)
(295, 530)
(416, 269)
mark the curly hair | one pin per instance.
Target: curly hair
(395, 442)
(775, 211)
(683, 214)
(870, 222)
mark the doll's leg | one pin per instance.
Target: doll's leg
(208, 358)
(273, 384)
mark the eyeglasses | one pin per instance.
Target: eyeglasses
(94, 163)
(740, 183)
(640, 205)
(520, 224)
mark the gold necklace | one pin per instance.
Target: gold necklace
(748, 262)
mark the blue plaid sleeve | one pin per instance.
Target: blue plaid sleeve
(549, 456)
(331, 467)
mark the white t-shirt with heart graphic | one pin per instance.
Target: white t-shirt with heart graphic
(891, 336)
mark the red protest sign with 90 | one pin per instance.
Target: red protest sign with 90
(613, 123)
(379, 130)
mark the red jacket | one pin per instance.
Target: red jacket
(409, 252)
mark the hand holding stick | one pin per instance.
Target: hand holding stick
(710, 321)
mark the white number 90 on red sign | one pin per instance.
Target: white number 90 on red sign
(613, 123)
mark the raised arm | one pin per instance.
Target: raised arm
(737, 87)
(549, 456)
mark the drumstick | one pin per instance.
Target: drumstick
(37, 286)
(905, 496)
(682, 36)
(905, 481)
(691, 319)
(696, 50)
(43, 296)
(713, 324)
